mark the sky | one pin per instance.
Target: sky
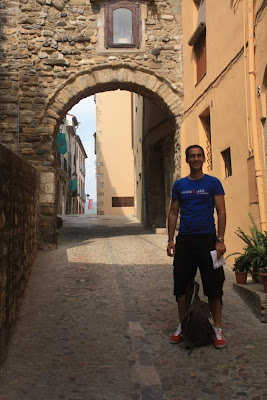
(85, 113)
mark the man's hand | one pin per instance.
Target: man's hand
(220, 248)
(171, 248)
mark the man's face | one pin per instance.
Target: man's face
(195, 159)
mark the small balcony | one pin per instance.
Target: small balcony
(63, 165)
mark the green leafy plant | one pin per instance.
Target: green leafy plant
(242, 264)
(254, 258)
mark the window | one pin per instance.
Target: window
(205, 121)
(122, 21)
(122, 26)
(198, 39)
(226, 155)
(252, 185)
(200, 56)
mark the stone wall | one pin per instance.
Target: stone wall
(52, 56)
(19, 186)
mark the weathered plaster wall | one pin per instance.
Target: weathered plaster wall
(223, 91)
(19, 186)
(52, 57)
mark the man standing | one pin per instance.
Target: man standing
(196, 196)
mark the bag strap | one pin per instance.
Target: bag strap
(192, 290)
(196, 288)
(189, 294)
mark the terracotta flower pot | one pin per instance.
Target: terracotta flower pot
(264, 278)
(241, 277)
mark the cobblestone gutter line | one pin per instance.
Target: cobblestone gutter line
(145, 376)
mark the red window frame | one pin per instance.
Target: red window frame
(109, 9)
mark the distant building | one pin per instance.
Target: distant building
(114, 155)
(135, 157)
(80, 170)
(64, 171)
(71, 170)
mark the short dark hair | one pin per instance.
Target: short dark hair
(193, 147)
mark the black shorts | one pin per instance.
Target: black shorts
(192, 251)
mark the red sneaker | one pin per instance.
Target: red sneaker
(219, 340)
(177, 336)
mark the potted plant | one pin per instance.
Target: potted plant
(254, 257)
(241, 268)
(263, 274)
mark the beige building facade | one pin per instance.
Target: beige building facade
(114, 155)
(225, 102)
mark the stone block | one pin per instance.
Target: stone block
(58, 62)
(47, 209)
(167, 17)
(53, 114)
(147, 375)
(47, 177)
(49, 188)
(47, 198)
(59, 5)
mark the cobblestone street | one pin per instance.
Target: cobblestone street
(97, 318)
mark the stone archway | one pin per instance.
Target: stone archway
(104, 78)
(142, 81)
(53, 55)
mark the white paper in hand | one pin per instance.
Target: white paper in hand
(217, 262)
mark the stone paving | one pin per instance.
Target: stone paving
(96, 322)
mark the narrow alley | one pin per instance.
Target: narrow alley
(97, 318)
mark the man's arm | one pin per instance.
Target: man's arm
(221, 224)
(172, 220)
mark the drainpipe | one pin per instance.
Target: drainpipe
(253, 110)
(246, 78)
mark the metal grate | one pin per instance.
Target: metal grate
(208, 151)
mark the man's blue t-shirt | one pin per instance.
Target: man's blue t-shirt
(196, 201)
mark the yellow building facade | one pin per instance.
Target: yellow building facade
(114, 154)
(224, 46)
